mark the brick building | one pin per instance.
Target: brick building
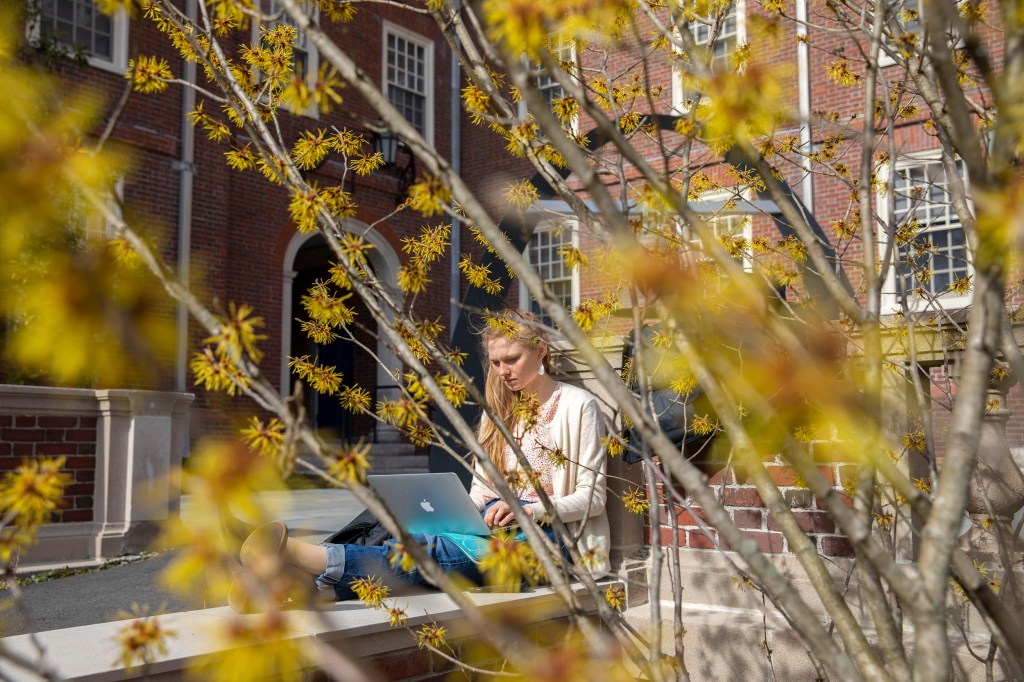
(824, 115)
(231, 233)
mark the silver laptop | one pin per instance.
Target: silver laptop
(429, 503)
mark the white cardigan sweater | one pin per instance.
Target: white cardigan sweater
(580, 487)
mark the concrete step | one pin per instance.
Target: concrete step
(397, 458)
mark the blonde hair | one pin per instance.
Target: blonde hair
(523, 327)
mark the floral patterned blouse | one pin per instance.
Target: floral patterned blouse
(536, 446)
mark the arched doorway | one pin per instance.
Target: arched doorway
(308, 259)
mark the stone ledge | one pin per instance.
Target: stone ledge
(89, 653)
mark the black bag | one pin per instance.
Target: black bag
(364, 529)
(670, 408)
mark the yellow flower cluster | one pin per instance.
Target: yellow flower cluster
(615, 595)
(478, 275)
(521, 194)
(323, 378)
(141, 639)
(703, 425)
(507, 562)
(590, 311)
(148, 74)
(399, 558)
(237, 333)
(636, 501)
(428, 247)
(354, 398)
(217, 372)
(342, 11)
(615, 445)
(351, 462)
(264, 439)
(454, 390)
(216, 130)
(429, 196)
(403, 412)
(431, 635)
(371, 591)
(840, 73)
(29, 495)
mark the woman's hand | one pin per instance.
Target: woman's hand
(500, 514)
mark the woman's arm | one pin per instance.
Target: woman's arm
(584, 446)
(500, 513)
(480, 491)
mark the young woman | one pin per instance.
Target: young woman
(562, 443)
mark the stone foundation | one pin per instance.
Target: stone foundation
(121, 448)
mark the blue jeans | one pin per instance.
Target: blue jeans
(346, 563)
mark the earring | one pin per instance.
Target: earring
(541, 371)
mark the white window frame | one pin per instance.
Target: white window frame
(118, 61)
(712, 214)
(271, 7)
(890, 301)
(390, 29)
(552, 225)
(679, 91)
(565, 52)
(883, 57)
(90, 224)
(102, 227)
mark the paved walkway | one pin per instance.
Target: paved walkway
(100, 596)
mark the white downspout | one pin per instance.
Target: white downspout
(803, 59)
(186, 168)
(456, 161)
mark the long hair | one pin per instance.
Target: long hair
(526, 328)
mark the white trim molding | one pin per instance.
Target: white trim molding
(116, 61)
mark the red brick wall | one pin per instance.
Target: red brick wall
(25, 436)
(239, 219)
(739, 496)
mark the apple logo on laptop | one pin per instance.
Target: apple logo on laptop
(427, 507)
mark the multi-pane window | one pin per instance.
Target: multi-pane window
(721, 210)
(908, 14)
(545, 254)
(304, 56)
(732, 229)
(407, 76)
(79, 25)
(936, 254)
(730, 33)
(902, 32)
(564, 51)
(725, 42)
